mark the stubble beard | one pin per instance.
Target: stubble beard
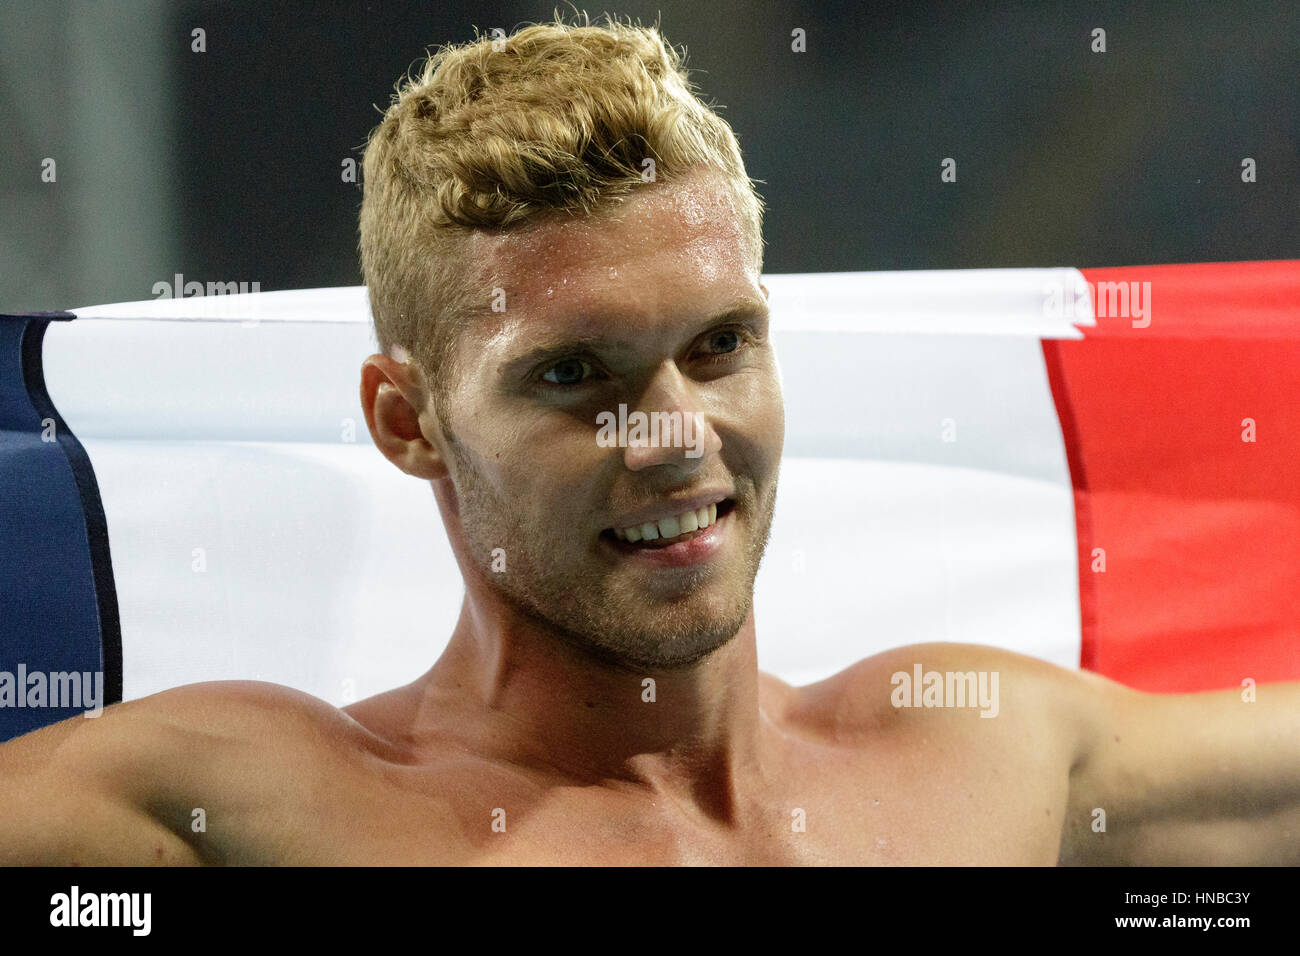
(609, 616)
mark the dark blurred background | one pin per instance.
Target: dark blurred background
(226, 165)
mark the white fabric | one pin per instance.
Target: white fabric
(1035, 302)
(1032, 302)
(257, 533)
(343, 304)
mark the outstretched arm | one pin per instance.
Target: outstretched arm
(1184, 779)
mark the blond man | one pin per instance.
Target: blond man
(554, 226)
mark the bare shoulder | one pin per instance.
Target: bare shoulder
(192, 736)
(944, 683)
(238, 707)
(228, 713)
(123, 787)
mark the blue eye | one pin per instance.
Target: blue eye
(729, 337)
(568, 372)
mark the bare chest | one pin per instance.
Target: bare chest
(901, 805)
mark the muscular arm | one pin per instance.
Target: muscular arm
(80, 792)
(122, 788)
(1184, 779)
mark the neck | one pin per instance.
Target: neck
(691, 734)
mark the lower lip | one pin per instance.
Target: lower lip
(699, 548)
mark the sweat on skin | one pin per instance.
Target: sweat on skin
(658, 306)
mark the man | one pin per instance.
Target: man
(554, 227)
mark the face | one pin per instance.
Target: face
(658, 310)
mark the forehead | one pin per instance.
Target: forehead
(664, 248)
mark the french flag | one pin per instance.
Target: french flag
(1098, 467)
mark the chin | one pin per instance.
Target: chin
(682, 640)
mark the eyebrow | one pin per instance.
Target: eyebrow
(748, 311)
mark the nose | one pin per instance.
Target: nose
(675, 432)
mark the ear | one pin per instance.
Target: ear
(766, 295)
(397, 407)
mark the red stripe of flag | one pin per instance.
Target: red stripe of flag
(1200, 529)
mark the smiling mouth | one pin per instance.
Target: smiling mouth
(670, 531)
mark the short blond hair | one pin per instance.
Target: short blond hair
(503, 131)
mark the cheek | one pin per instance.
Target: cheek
(537, 461)
(771, 395)
(755, 397)
(492, 438)
(546, 483)
(758, 415)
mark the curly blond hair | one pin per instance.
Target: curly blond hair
(503, 131)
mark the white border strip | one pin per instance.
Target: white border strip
(1044, 303)
(339, 304)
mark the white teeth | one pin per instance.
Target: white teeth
(684, 523)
